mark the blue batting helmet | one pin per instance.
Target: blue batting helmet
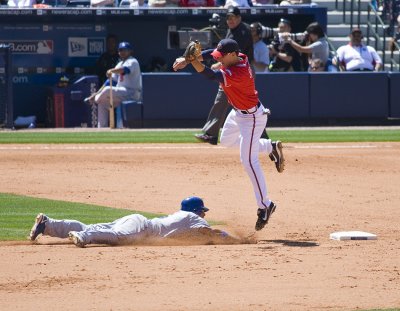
(124, 46)
(193, 204)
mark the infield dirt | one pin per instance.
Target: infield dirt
(294, 266)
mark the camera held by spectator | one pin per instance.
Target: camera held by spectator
(215, 20)
(269, 33)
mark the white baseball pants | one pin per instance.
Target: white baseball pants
(244, 131)
(103, 100)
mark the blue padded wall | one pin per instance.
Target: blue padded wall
(349, 95)
(177, 96)
(285, 94)
(394, 95)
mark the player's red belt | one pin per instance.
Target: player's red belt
(251, 110)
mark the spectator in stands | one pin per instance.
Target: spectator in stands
(21, 3)
(108, 59)
(396, 36)
(197, 3)
(127, 78)
(284, 56)
(262, 2)
(318, 46)
(316, 65)
(261, 51)
(163, 3)
(293, 2)
(136, 3)
(356, 56)
(237, 3)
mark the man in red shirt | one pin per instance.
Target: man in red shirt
(246, 122)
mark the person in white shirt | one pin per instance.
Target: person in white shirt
(134, 228)
(21, 3)
(237, 3)
(356, 56)
(261, 51)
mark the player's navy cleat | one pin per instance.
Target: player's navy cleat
(277, 156)
(74, 237)
(38, 226)
(205, 138)
(263, 215)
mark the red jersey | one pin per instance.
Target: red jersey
(239, 85)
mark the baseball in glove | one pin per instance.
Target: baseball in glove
(193, 50)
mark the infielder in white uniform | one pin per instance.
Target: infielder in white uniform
(132, 228)
(246, 121)
(126, 77)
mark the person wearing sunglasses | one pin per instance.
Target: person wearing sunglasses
(356, 56)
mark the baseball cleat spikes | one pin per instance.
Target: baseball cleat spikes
(205, 138)
(38, 226)
(277, 156)
(76, 239)
(263, 216)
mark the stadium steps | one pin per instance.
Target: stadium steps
(338, 27)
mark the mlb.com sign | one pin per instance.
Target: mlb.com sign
(31, 46)
(85, 47)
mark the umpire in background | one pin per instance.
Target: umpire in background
(241, 33)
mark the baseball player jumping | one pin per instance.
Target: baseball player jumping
(189, 221)
(246, 122)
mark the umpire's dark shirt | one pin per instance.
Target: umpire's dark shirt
(242, 35)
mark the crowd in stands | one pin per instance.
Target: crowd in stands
(155, 3)
(281, 52)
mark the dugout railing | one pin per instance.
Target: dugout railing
(372, 31)
(6, 90)
(395, 64)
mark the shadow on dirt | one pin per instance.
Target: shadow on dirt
(290, 243)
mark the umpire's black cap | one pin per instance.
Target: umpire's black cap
(233, 10)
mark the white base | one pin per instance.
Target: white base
(352, 235)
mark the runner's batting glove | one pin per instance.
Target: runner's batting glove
(193, 50)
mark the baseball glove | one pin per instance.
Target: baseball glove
(193, 50)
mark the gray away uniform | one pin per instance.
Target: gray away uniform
(128, 229)
(129, 87)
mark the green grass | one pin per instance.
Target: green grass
(326, 136)
(307, 136)
(382, 310)
(96, 137)
(17, 214)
